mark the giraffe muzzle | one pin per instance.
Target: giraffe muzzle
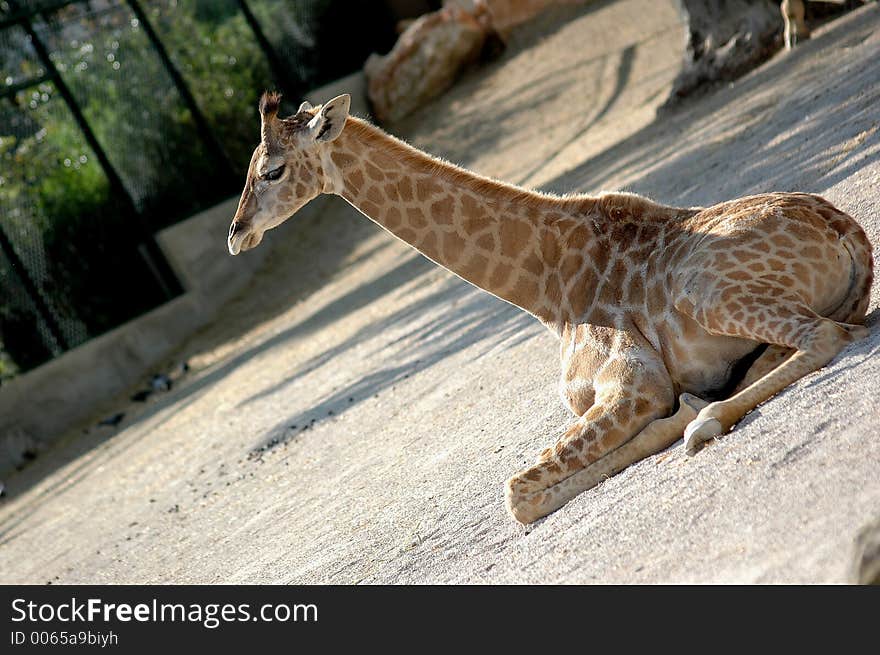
(241, 237)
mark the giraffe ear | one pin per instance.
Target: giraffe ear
(305, 106)
(330, 119)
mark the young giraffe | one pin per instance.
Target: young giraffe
(648, 301)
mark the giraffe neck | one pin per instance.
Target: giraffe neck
(503, 239)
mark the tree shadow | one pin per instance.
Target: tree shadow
(624, 69)
(284, 279)
(770, 131)
(459, 126)
(472, 318)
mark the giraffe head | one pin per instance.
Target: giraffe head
(286, 168)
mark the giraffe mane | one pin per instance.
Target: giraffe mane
(448, 171)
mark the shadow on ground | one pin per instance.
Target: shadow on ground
(831, 140)
(474, 320)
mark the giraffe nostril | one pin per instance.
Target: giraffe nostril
(236, 227)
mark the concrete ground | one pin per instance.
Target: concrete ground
(352, 417)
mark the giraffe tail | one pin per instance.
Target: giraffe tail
(855, 304)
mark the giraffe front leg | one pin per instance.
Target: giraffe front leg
(656, 436)
(604, 431)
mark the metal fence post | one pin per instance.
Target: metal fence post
(205, 132)
(30, 287)
(292, 90)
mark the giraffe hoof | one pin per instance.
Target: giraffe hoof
(521, 512)
(700, 430)
(857, 332)
(524, 507)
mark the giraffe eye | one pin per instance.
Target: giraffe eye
(274, 174)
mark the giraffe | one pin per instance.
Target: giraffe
(795, 27)
(655, 307)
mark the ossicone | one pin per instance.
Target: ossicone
(269, 104)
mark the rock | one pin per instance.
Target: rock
(865, 568)
(424, 62)
(113, 420)
(18, 447)
(160, 382)
(504, 15)
(434, 49)
(725, 39)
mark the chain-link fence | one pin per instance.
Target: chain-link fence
(120, 117)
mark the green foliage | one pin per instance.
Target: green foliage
(64, 221)
(215, 50)
(8, 369)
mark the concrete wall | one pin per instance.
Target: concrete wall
(38, 407)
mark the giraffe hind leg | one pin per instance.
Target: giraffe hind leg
(766, 362)
(815, 341)
(851, 310)
(775, 355)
